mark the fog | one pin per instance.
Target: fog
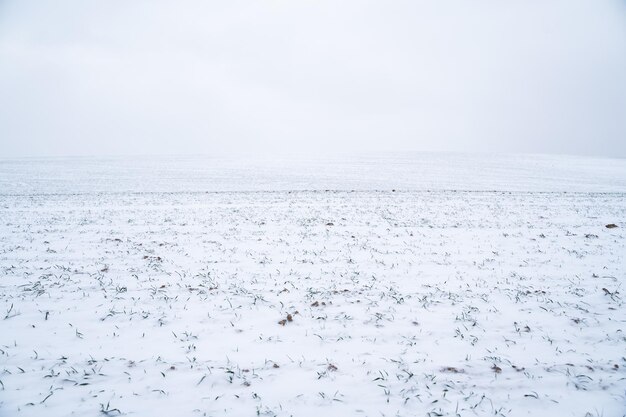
(196, 77)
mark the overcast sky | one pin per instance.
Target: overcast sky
(185, 77)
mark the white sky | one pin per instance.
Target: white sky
(185, 77)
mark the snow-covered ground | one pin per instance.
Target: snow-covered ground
(182, 287)
(410, 171)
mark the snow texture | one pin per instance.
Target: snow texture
(279, 297)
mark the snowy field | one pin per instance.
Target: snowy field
(169, 287)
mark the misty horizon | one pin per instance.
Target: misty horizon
(158, 78)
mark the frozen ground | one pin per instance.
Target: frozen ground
(422, 301)
(411, 171)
